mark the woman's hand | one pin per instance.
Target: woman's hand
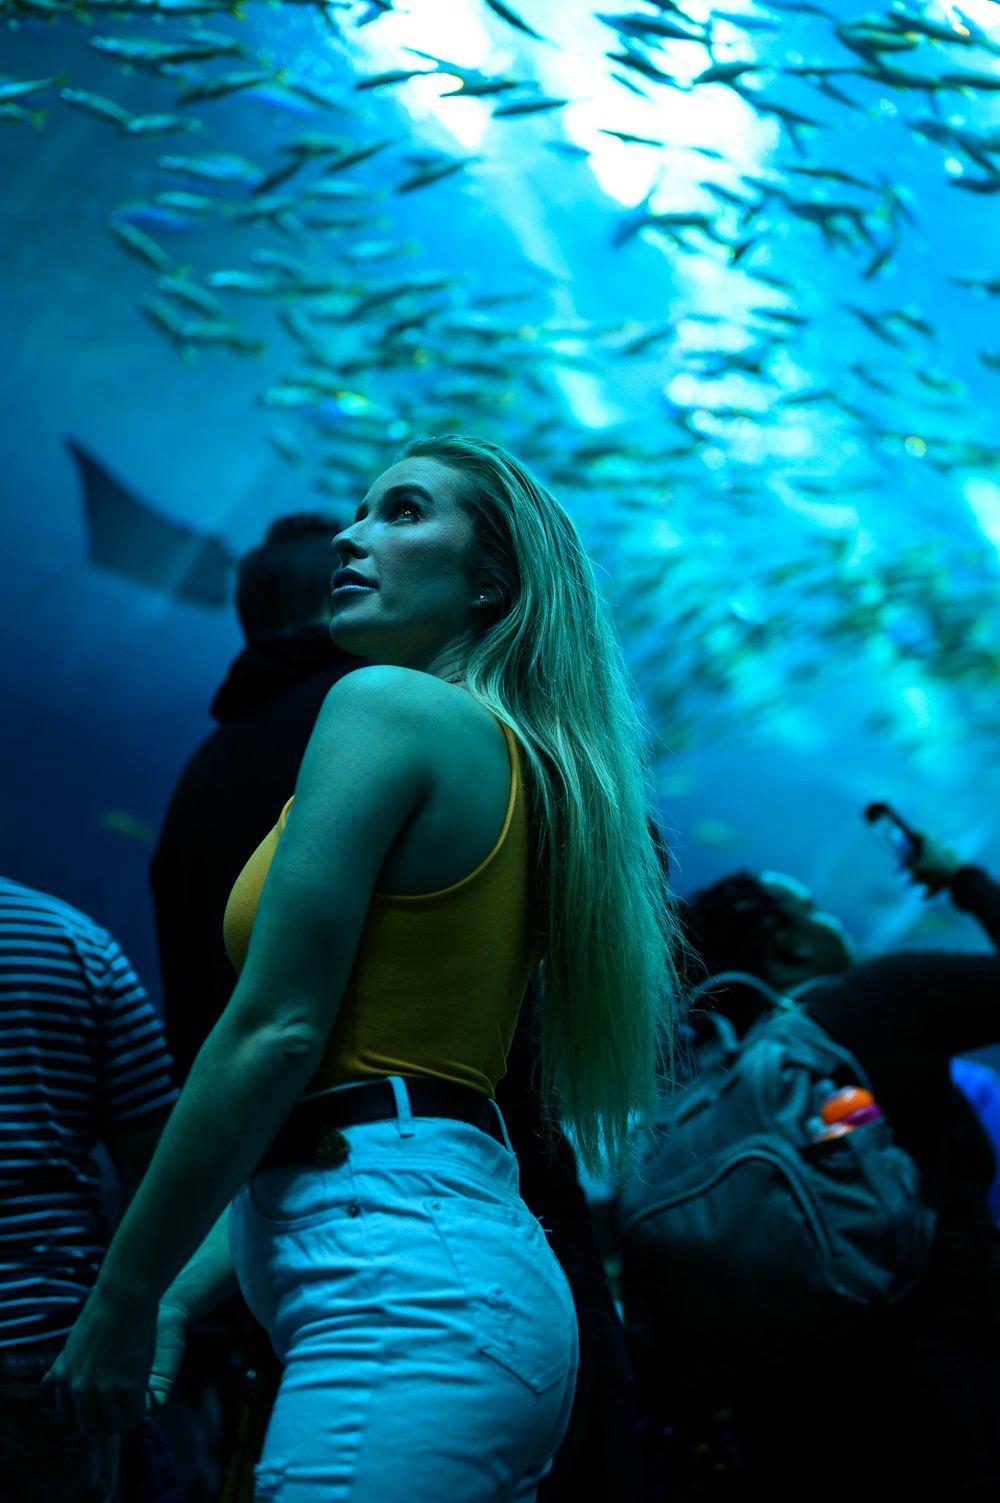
(171, 1336)
(102, 1373)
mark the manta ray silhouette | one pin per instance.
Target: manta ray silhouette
(129, 537)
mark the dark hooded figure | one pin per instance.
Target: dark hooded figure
(234, 786)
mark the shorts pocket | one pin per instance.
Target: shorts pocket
(298, 1256)
(521, 1308)
(296, 1197)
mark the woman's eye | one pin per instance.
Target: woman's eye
(405, 508)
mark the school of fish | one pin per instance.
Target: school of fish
(757, 414)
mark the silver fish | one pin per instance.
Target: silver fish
(223, 84)
(215, 167)
(535, 106)
(192, 293)
(392, 76)
(513, 19)
(431, 174)
(12, 89)
(23, 116)
(160, 125)
(96, 105)
(142, 245)
(288, 444)
(244, 281)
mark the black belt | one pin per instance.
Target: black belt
(312, 1133)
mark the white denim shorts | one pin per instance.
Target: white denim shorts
(428, 1332)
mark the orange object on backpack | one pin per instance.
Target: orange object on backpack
(842, 1103)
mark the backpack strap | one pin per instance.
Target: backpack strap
(797, 1025)
(725, 1033)
(727, 1045)
(742, 978)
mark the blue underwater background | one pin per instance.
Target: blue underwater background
(732, 292)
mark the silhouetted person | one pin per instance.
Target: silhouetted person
(918, 1402)
(84, 1063)
(236, 783)
(979, 1083)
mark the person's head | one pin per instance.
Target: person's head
(284, 582)
(464, 547)
(768, 925)
(409, 588)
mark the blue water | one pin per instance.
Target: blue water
(807, 600)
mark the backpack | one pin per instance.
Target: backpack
(746, 1246)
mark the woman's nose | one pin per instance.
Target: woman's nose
(345, 543)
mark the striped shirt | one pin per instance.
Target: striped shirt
(82, 1058)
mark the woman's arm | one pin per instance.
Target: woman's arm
(202, 1285)
(366, 769)
(206, 1279)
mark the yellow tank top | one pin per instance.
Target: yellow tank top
(438, 978)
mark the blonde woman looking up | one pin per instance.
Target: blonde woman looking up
(472, 805)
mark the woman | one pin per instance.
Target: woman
(469, 804)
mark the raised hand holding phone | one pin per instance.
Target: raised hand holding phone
(928, 861)
(892, 832)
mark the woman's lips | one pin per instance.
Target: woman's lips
(352, 585)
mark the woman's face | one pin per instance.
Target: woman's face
(404, 592)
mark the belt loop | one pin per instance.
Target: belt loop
(404, 1115)
(503, 1126)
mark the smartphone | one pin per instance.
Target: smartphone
(892, 832)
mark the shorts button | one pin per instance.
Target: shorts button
(354, 1210)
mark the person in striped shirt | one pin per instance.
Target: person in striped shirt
(83, 1060)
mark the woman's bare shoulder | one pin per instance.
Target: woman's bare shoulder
(389, 694)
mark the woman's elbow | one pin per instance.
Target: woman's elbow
(292, 1035)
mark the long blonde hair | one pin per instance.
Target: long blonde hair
(549, 664)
